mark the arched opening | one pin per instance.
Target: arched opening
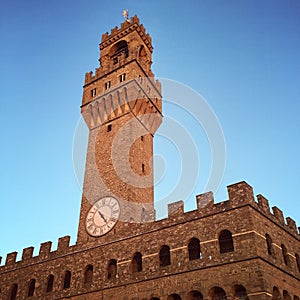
(50, 283)
(195, 295)
(194, 249)
(137, 262)
(225, 241)
(164, 256)
(240, 292)
(154, 298)
(284, 254)
(112, 269)
(67, 280)
(269, 244)
(90, 115)
(296, 298)
(31, 288)
(174, 297)
(276, 293)
(286, 296)
(120, 48)
(88, 274)
(125, 96)
(297, 261)
(14, 292)
(217, 293)
(142, 51)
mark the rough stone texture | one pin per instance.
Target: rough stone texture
(247, 264)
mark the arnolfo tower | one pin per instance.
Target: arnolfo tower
(121, 105)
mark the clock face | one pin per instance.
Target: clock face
(103, 216)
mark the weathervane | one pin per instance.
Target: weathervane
(125, 14)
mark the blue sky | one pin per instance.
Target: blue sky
(241, 56)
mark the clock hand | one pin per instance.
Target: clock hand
(102, 216)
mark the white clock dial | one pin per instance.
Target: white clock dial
(102, 216)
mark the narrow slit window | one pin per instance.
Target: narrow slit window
(112, 269)
(109, 127)
(50, 282)
(285, 255)
(137, 262)
(194, 249)
(88, 274)
(164, 256)
(93, 92)
(67, 280)
(31, 288)
(122, 77)
(297, 261)
(225, 241)
(14, 292)
(269, 244)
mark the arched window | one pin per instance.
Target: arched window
(285, 254)
(137, 262)
(297, 261)
(67, 280)
(286, 296)
(195, 295)
(269, 244)
(296, 298)
(88, 274)
(142, 51)
(217, 293)
(13, 292)
(117, 50)
(112, 269)
(174, 297)
(50, 282)
(31, 288)
(276, 294)
(164, 256)
(225, 241)
(194, 249)
(240, 292)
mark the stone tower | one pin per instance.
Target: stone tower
(121, 106)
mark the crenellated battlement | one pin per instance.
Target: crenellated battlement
(126, 27)
(101, 72)
(277, 215)
(45, 253)
(122, 46)
(240, 195)
(122, 98)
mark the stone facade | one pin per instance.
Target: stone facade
(235, 249)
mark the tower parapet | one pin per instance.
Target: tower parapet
(126, 27)
(45, 249)
(126, 44)
(27, 253)
(240, 195)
